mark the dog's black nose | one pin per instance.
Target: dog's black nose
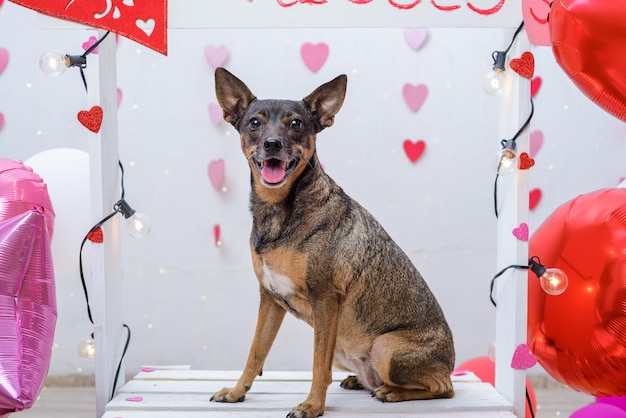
(272, 144)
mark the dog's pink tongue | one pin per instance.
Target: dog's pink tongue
(274, 171)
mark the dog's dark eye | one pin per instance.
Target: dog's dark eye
(296, 125)
(254, 124)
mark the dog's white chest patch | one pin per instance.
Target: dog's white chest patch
(277, 283)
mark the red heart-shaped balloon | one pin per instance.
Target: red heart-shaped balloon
(588, 39)
(91, 119)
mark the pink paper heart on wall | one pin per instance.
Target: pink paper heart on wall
(521, 232)
(216, 173)
(216, 55)
(414, 150)
(216, 114)
(522, 358)
(535, 143)
(416, 37)
(4, 59)
(314, 55)
(87, 44)
(535, 85)
(534, 198)
(119, 96)
(1, 121)
(414, 95)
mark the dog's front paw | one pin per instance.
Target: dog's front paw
(351, 382)
(306, 410)
(228, 395)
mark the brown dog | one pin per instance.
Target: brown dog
(321, 256)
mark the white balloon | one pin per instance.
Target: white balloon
(66, 173)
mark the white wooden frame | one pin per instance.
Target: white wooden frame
(511, 289)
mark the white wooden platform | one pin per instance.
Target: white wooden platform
(184, 393)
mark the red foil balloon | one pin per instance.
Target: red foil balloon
(579, 337)
(28, 309)
(588, 38)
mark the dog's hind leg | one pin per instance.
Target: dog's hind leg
(411, 367)
(270, 318)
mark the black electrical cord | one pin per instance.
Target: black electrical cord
(82, 276)
(84, 57)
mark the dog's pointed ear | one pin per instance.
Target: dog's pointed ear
(232, 94)
(324, 103)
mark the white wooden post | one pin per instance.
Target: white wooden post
(106, 300)
(512, 288)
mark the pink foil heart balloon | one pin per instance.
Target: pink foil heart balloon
(416, 37)
(414, 95)
(314, 55)
(535, 14)
(588, 39)
(216, 173)
(216, 55)
(216, 114)
(4, 59)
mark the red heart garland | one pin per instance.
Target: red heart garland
(525, 161)
(414, 150)
(96, 236)
(525, 65)
(91, 119)
(533, 198)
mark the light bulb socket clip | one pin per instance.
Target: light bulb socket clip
(499, 61)
(509, 144)
(76, 61)
(124, 208)
(536, 267)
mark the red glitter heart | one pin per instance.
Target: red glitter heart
(525, 161)
(525, 65)
(91, 119)
(414, 150)
(96, 236)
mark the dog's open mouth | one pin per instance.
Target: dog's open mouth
(273, 170)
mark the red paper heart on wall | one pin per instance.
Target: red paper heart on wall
(142, 21)
(588, 39)
(524, 65)
(535, 85)
(414, 150)
(91, 119)
(533, 198)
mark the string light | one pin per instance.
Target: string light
(494, 80)
(54, 63)
(87, 348)
(506, 158)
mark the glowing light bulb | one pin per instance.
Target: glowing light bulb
(87, 348)
(138, 225)
(506, 159)
(53, 63)
(554, 281)
(493, 83)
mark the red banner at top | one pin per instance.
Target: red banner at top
(143, 21)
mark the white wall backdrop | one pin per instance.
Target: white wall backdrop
(190, 302)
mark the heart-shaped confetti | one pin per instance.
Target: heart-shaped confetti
(525, 65)
(147, 26)
(521, 232)
(534, 198)
(91, 119)
(148, 369)
(414, 95)
(535, 85)
(535, 143)
(96, 236)
(87, 44)
(525, 162)
(216, 235)
(414, 150)
(1, 121)
(216, 55)
(314, 55)
(416, 37)
(4, 59)
(216, 173)
(134, 399)
(216, 114)
(522, 358)
(119, 96)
